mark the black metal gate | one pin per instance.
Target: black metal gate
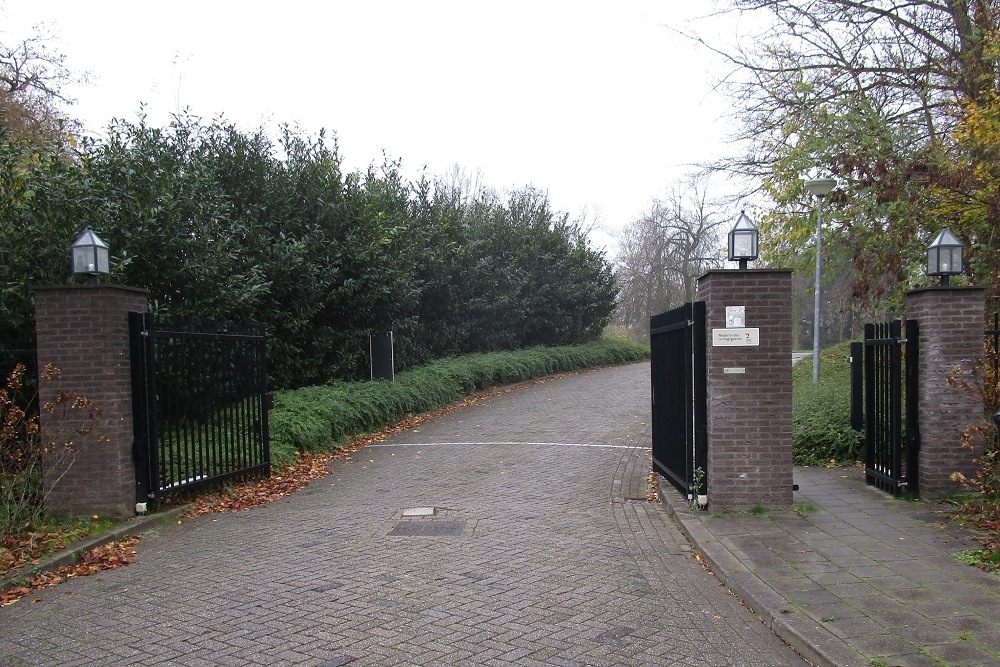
(892, 439)
(677, 358)
(200, 406)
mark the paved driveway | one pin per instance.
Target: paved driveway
(541, 551)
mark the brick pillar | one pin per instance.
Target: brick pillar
(83, 330)
(749, 388)
(952, 322)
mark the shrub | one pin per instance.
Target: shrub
(821, 413)
(22, 447)
(323, 418)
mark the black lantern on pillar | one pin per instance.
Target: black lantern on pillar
(944, 256)
(90, 256)
(743, 239)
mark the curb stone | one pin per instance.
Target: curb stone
(72, 553)
(813, 642)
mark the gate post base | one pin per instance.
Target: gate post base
(83, 331)
(749, 364)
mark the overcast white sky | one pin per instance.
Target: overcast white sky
(595, 102)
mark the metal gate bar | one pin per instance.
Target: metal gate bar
(891, 435)
(201, 403)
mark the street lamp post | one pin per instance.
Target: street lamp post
(820, 188)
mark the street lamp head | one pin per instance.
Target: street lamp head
(743, 241)
(821, 187)
(944, 256)
(90, 256)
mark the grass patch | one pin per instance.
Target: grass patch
(985, 559)
(821, 413)
(803, 509)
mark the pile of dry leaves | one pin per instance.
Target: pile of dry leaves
(105, 557)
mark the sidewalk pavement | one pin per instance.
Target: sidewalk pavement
(852, 576)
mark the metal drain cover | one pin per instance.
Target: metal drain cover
(438, 528)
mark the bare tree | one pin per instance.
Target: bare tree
(898, 99)
(662, 253)
(902, 64)
(33, 77)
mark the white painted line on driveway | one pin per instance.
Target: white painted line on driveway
(545, 444)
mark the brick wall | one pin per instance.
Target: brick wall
(83, 330)
(750, 413)
(951, 321)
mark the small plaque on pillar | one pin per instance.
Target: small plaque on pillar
(740, 337)
(736, 317)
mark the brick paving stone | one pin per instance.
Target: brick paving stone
(554, 559)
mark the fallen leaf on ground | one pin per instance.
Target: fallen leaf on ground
(652, 488)
(105, 557)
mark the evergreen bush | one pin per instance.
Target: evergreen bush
(821, 413)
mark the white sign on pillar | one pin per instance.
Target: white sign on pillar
(741, 337)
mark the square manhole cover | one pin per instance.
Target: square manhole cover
(425, 528)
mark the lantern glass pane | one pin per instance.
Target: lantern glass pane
(742, 245)
(81, 258)
(103, 265)
(956, 260)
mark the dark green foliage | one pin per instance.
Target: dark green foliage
(153, 196)
(40, 194)
(322, 418)
(226, 226)
(821, 413)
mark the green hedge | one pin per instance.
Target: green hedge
(224, 226)
(821, 413)
(322, 418)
